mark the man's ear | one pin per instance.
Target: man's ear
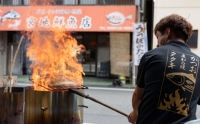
(167, 32)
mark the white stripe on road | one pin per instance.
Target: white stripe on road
(104, 88)
(24, 84)
(92, 88)
(88, 123)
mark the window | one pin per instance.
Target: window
(7, 2)
(70, 2)
(114, 2)
(124, 2)
(25, 2)
(14, 2)
(192, 42)
(59, 2)
(88, 2)
(106, 1)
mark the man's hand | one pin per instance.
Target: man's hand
(132, 118)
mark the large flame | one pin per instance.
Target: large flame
(54, 54)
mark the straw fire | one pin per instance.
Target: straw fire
(54, 54)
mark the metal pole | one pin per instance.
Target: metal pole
(11, 61)
(133, 60)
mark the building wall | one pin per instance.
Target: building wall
(120, 53)
(187, 8)
(2, 63)
(3, 57)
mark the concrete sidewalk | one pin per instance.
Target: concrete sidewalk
(88, 81)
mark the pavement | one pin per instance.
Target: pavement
(118, 98)
(88, 81)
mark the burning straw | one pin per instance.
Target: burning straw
(54, 59)
(53, 55)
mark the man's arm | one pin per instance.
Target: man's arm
(136, 99)
(138, 93)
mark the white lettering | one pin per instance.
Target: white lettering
(44, 22)
(71, 22)
(58, 21)
(86, 22)
(31, 22)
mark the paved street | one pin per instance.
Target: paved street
(99, 114)
(117, 98)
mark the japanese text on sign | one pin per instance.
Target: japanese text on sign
(59, 11)
(70, 18)
(140, 42)
(58, 21)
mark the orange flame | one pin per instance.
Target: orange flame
(54, 54)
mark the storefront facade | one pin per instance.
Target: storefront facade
(106, 34)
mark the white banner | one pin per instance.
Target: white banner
(140, 42)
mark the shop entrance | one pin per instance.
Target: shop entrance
(96, 59)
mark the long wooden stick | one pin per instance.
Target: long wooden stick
(95, 100)
(12, 65)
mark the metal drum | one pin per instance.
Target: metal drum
(11, 106)
(27, 106)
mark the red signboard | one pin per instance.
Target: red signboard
(71, 18)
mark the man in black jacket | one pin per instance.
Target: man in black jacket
(168, 80)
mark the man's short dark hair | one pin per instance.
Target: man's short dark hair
(178, 25)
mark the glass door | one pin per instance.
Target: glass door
(88, 58)
(103, 55)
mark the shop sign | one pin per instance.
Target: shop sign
(69, 18)
(140, 42)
